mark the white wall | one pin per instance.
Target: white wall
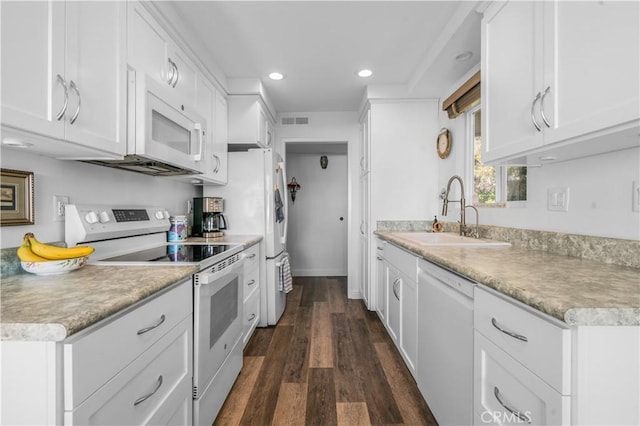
(87, 183)
(317, 239)
(600, 189)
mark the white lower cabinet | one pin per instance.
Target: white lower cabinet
(381, 281)
(402, 302)
(522, 364)
(251, 293)
(136, 368)
(153, 389)
(508, 393)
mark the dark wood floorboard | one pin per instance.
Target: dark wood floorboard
(329, 361)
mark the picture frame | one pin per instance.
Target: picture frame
(16, 197)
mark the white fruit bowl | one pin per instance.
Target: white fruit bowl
(55, 267)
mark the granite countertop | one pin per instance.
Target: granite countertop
(51, 308)
(577, 291)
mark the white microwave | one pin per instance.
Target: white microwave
(165, 136)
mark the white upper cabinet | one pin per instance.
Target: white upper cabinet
(249, 122)
(221, 137)
(64, 75)
(559, 72)
(152, 51)
(212, 105)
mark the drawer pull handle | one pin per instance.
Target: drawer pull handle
(522, 417)
(396, 283)
(149, 395)
(250, 283)
(509, 333)
(251, 256)
(144, 330)
(251, 317)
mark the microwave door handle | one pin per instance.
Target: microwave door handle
(198, 129)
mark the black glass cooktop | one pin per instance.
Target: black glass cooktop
(187, 253)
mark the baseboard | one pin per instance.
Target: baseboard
(318, 273)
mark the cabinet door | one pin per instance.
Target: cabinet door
(511, 77)
(148, 44)
(95, 68)
(205, 104)
(221, 138)
(394, 294)
(409, 323)
(591, 62)
(32, 58)
(185, 79)
(364, 268)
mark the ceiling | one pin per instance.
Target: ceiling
(320, 45)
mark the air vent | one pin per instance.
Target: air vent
(295, 121)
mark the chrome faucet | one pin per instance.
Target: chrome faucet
(446, 202)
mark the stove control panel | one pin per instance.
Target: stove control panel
(87, 223)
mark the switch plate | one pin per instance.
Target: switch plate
(59, 201)
(558, 199)
(635, 197)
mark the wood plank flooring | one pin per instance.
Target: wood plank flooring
(329, 361)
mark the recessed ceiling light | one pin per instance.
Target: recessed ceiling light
(276, 76)
(464, 56)
(365, 73)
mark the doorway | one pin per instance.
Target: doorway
(318, 216)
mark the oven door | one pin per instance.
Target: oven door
(217, 319)
(166, 129)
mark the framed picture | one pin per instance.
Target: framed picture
(16, 197)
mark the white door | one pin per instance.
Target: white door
(317, 240)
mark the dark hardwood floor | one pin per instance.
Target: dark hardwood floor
(329, 361)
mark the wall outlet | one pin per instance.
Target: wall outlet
(635, 197)
(59, 201)
(558, 199)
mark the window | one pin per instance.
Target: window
(492, 186)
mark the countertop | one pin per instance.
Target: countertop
(51, 308)
(577, 291)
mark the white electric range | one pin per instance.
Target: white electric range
(134, 235)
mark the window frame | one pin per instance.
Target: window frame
(501, 171)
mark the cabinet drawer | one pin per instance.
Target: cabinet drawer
(250, 283)
(505, 390)
(251, 312)
(405, 262)
(113, 343)
(253, 257)
(539, 344)
(151, 390)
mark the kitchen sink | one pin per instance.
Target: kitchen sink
(447, 239)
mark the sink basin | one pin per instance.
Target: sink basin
(446, 239)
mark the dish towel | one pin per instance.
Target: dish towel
(285, 282)
(279, 205)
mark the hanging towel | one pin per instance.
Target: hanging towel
(285, 282)
(279, 205)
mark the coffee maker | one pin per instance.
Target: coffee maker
(208, 220)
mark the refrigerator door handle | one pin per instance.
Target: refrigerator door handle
(286, 203)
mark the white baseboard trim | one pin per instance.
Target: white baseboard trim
(318, 273)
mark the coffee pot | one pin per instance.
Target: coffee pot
(213, 222)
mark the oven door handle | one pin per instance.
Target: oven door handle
(204, 278)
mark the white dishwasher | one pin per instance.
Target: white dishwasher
(445, 344)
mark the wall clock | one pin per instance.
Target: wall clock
(443, 144)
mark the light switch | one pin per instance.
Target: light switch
(558, 199)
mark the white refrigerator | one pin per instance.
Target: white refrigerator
(255, 203)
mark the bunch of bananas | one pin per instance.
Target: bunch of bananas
(33, 250)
